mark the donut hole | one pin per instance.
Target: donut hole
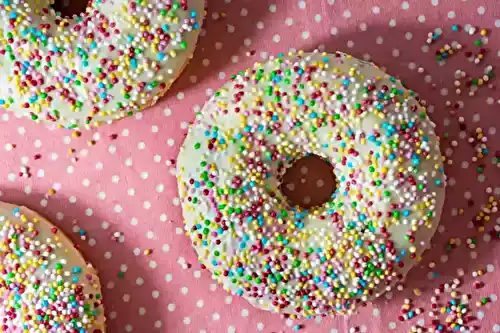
(70, 8)
(308, 182)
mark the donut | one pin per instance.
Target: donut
(113, 60)
(46, 285)
(330, 258)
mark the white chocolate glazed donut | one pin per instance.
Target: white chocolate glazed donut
(108, 63)
(381, 217)
(45, 284)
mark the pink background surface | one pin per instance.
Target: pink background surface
(128, 185)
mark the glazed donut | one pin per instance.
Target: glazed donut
(329, 258)
(115, 59)
(46, 285)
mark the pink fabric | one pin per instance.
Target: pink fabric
(127, 185)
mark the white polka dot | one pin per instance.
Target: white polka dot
(118, 208)
(481, 10)
(260, 25)
(289, 21)
(244, 313)
(200, 303)
(142, 311)
(128, 328)
(139, 281)
(228, 300)
(405, 5)
(392, 325)
(276, 38)
(305, 35)
(206, 62)
(395, 53)
(392, 23)
(421, 18)
(168, 277)
(160, 188)
(89, 212)
(150, 235)
(376, 312)
(496, 328)
(334, 330)
(230, 28)
(231, 329)
(408, 35)
(155, 294)
(435, 2)
(497, 23)
(451, 14)
(334, 31)
(302, 4)
(171, 307)
(272, 8)
(158, 324)
(215, 316)
(379, 40)
(126, 298)
(350, 44)
(347, 14)
(317, 18)
(184, 290)
(363, 26)
(260, 327)
(376, 10)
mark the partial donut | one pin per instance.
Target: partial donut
(115, 59)
(45, 284)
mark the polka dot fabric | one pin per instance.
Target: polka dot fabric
(113, 190)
